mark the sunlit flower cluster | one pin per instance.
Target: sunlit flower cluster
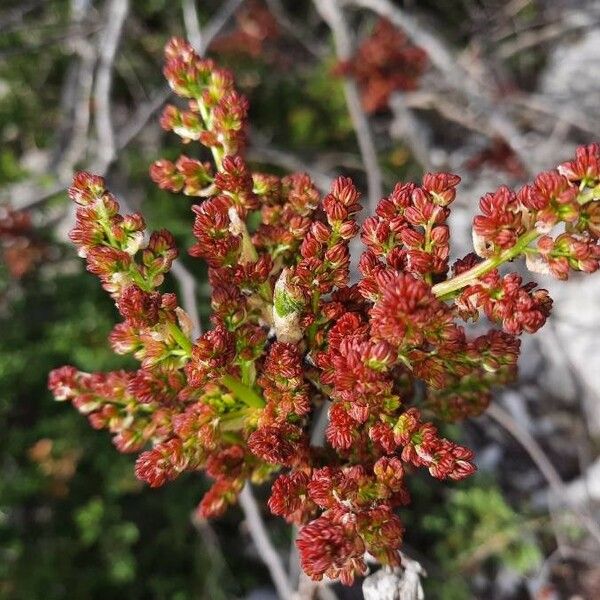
(295, 336)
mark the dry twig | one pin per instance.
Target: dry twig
(192, 24)
(456, 77)
(264, 546)
(110, 36)
(547, 469)
(334, 17)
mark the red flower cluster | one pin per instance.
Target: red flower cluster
(505, 301)
(291, 337)
(255, 28)
(409, 229)
(215, 115)
(110, 402)
(20, 247)
(567, 196)
(386, 62)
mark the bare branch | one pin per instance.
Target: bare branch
(333, 16)
(17, 12)
(573, 116)
(217, 23)
(81, 115)
(214, 550)
(191, 23)
(570, 21)
(447, 108)
(326, 593)
(115, 19)
(455, 75)
(538, 456)
(312, 45)
(308, 590)
(75, 115)
(265, 548)
(319, 425)
(407, 127)
(142, 115)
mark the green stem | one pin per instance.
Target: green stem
(242, 392)
(139, 279)
(180, 338)
(104, 222)
(446, 289)
(204, 113)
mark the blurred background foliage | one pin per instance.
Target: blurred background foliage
(74, 521)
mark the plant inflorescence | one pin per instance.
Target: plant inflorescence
(20, 247)
(386, 62)
(292, 336)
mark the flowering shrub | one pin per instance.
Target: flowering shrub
(21, 249)
(255, 28)
(291, 336)
(386, 62)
